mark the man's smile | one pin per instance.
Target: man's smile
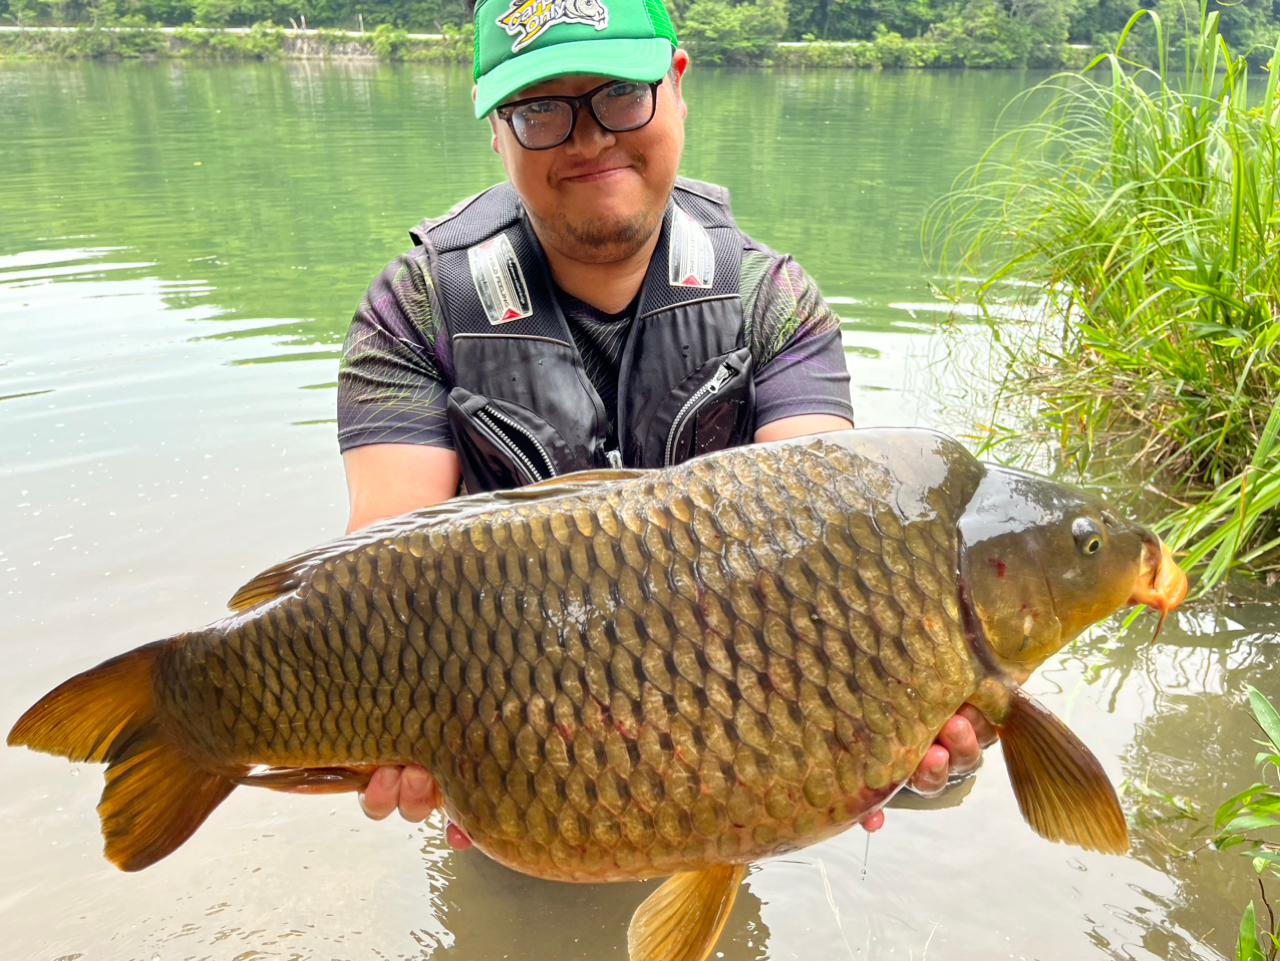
(591, 173)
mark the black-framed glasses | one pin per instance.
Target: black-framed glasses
(540, 123)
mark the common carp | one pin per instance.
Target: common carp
(625, 674)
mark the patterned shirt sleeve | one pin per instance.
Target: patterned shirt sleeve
(795, 341)
(395, 374)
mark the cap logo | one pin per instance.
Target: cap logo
(529, 18)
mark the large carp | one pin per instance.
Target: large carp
(625, 674)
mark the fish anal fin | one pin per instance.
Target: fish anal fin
(1062, 790)
(310, 780)
(682, 919)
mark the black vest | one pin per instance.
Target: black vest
(522, 409)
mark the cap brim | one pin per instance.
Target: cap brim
(626, 59)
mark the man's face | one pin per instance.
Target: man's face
(599, 196)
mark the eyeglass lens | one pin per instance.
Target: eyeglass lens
(618, 107)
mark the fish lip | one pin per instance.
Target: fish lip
(1161, 584)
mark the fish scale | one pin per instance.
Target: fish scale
(717, 663)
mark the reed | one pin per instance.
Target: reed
(1140, 212)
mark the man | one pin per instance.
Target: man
(593, 312)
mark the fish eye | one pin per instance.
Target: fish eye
(1088, 536)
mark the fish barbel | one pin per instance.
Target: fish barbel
(628, 674)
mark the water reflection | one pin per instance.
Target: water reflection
(155, 453)
(488, 913)
(1194, 739)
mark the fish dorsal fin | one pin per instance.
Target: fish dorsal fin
(1061, 788)
(290, 574)
(272, 582)
(682, 919)
(578, 483)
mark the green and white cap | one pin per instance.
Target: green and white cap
(523, 42)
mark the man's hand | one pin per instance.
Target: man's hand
(957, 751)
(411, 789)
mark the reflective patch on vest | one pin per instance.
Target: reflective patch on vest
(529, 18)
(691, 260)
(499, 280)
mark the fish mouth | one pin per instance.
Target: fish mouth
(1161, 584)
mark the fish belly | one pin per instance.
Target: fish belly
(710, 664)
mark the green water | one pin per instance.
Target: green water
(181, 247)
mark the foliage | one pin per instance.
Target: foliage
(1239, 824)
(262, 42)
(1140, 213)
(389, 42)
(84, 43)
(737, 34)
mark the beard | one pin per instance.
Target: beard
(600, 240)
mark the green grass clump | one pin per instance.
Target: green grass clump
(1140, 213)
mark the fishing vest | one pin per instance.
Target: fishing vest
(522, 408)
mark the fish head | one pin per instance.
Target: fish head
(1041, 561)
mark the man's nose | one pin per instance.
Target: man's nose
(589, 138)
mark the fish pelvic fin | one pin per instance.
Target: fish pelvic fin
(1061, 788)
(311, 780)
(682, 919)
(156, 794)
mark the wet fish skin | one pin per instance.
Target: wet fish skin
(720, 662)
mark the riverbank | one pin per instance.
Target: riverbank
(265, 41)
(262, 41)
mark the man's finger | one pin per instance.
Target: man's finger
(931, 774)
(873, 822)
(456, 838)
(982, 728)
(383, 793)
(418, 796)
(958, 737)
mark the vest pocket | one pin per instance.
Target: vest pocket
(709, 410)
(501, 445)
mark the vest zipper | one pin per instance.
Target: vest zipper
(690, 408)
(496, 421)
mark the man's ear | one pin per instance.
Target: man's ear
(679, 64)
(493, 127)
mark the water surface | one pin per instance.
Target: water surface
(181, 247)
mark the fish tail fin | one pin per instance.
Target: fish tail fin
(156, 794)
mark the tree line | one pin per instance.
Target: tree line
(909, 33)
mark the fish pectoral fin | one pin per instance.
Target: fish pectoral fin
(310, 780)
(1061, 788)
(682, 919)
